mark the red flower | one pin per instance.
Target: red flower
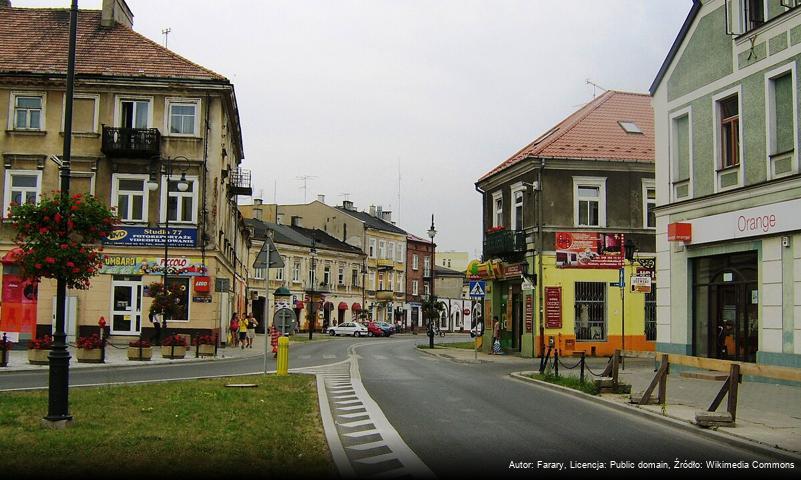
(57, 217)
(70, 264)
(76, 270)
(43, 230)
(50, 260)
(38, 266)
(64, 246)
(74, 208)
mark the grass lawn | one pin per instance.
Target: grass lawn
(568, 381)
(188, 429)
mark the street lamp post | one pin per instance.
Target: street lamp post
(432, 232)
(152, 185)
(312, 312)
(628, 253)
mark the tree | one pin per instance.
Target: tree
(431, 310)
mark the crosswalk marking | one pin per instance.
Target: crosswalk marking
(358, 423)
(352, 415)
(377, 459)
(367, 446)
(362, 433)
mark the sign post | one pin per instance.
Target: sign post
(478, 290)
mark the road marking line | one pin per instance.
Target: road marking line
(367, 446)
(378, 458)
(362, 433)
(348, 402)
(352, 415)
(394, 473)
(341, 397)
(355, 407)
(334, 443)
(329, 357)
(358, 423)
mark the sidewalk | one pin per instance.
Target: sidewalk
(768, 415)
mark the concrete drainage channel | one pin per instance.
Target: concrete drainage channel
(361, 439)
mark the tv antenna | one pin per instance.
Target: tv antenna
(166, 32)
(594, 86)
(346, 195)
(305, 186)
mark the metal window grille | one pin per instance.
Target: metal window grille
(590, 308)
(650, 315)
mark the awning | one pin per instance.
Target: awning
(343, 306)
(298, 305)
(328, 306)
(356, 307)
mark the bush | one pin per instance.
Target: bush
(90, 343)
(174, 340)
(139, 343)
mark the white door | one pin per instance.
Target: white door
(126, 308)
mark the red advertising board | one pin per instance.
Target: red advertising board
(202, 285)
(553, 307)
(589, 250)
(529, 313)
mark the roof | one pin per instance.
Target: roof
(594, 132)
(415, 238)
(299, 236)
(36, 41)
(447, 272)
(372, 222)
(674, 49)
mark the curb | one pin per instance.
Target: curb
(727, 438)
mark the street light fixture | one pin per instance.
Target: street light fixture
(168, 170)
(432, 232)
(312, 312)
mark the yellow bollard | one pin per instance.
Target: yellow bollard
(282, 366)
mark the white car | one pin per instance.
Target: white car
(348, 328)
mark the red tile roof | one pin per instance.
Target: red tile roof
(35, 40)
(594, 132)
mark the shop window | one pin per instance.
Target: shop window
(590, 311)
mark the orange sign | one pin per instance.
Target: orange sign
(680, 232)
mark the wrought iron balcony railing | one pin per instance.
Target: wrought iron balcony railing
(504, 244)
(239, 182)
(131, 142)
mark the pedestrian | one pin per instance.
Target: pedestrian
(243, 332)
(233, 330)
(274, 340)
(496, 333)
(154, 319)
(252, 322)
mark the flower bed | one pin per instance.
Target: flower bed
(140, 350)
(174, 346)
(39, 350)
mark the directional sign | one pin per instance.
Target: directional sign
(622, 281)
(477, 289)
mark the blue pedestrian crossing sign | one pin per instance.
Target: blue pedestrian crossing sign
(477, 289)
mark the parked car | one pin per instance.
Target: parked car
(374, 330)
(388, 328)
(348, 328)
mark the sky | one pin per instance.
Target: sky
(406, 103)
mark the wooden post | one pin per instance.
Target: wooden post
(664, 369)
(615, 366)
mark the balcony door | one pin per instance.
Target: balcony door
(134, 113)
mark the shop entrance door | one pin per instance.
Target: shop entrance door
(126, 308)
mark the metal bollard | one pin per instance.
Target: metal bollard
(581, 377)
(282, 364)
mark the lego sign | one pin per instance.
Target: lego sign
(202, 285)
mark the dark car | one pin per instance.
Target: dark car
(388, 329)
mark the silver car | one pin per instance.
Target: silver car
(348, 328)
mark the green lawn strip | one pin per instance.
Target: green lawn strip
(178, 428)
(568, 381)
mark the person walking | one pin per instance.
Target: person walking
(496, 334)
(233, 330)
(156, 339)
(252, 322)
(243, 332)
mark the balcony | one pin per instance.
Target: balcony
(385, 264)
(384, 295)
(239, 183)
(131, 142)
(505, 244)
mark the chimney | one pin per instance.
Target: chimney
(296, 221)
(321, 198)
(116, 11)
(257, 213)
(257, 201)
(378, 212)
(386, 216)
(372, 210)
(347, 205)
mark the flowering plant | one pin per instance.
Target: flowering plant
(43, 343)
(168, 301)
(90, 343)
(204, 340)
(496, 229)
(57, 237)
(174, 340)
(139, 343)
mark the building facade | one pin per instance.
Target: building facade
(419, 255)
(155, 136)
(726, 108)
(556, 217)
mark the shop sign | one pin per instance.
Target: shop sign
(641, 284)
(132, 265)
(151, 237)
(529, 313)
(680, 232)
(751, 222)
(513, 271)
(553, 307)
(589, 250)
(202, 285)
(201, 299)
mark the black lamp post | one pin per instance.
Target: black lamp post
(168, 166)
(432, 232)
(58, 389)
(629, 248)
(312, 312)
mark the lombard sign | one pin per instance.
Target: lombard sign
(751, 222)
(151, 237)
(131, 265)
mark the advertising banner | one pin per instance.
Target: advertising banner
(553, 307)
(130, 265)
(589, 250)
(151, 237)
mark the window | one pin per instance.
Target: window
(780, 101)
(497, 209)
(427, 289)
(729, 132)
(414, 287)
(327, 275)
(650, 314)
(354, 277)
(372, 248)
(380, 280)
(753, 13)
(279, 272)
(182, 207)
(629, 127)
(258, 273)
(391, 255)
(589, 208)
(590, 311)
(681, 154)
(312, 274)
(382, 249)
(130, 195)
(400, 258)
(649, 203)
(341, 276)
(400, 288)
(415, 262)
(426, 266)
(517, 209)
(296, 272)
(28, 111)
(85, 111)
(182, 117)
(22, 186)
(134, 113)
(372, 280)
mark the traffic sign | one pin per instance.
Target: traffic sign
(622, 281)
(477, 289)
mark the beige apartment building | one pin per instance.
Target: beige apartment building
(157, 137)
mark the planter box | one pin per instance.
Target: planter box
(38, 357)
(133, 353)
(205, 350)
(173, 352)
(94, 355)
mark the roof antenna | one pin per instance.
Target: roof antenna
(594, 86)
(166, 32)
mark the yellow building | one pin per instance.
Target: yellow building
(141, 112)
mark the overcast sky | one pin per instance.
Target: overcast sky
(358, 93)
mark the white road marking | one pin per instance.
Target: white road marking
(355, 407)
(377, 459)
(358, 423)
(351, 415)
(362, 433)
(367, 446)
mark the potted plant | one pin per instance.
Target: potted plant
(39, 349)
(205, 346)
(90, 349)
(174, 346)
(140, 350)
(168, 301)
